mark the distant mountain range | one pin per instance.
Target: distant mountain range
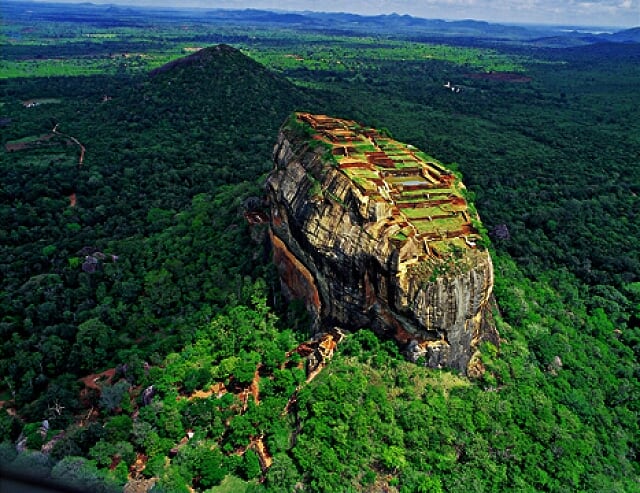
(415, 26)
(392, 24)
(627, 36)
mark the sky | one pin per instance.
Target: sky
(616, 13)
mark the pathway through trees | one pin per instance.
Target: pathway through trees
(73, 199)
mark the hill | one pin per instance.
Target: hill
(627, 36)
(140, 251)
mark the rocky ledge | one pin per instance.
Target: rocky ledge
(371, 232)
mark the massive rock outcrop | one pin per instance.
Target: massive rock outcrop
(370, 232)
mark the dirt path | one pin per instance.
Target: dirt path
(317, 352)
(218, 389)
(92, 381)
(73, 199)
(263, 454)
(83, 149)
(254, 388)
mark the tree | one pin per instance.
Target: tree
(94, 342)
(8, 452)
(171, 482)
(119, 428)
(393, 458)
(81, 472)
(35, 464)
(115, 396)
(251, 465)
(282, 474)
(212, 469)
(105, 453)
(9, 426)
(246, 369)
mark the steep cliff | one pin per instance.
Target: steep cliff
(370, 232)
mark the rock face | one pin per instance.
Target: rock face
(370, 232)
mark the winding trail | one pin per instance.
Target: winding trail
(83, 149)
(73, 199)
(316, 352)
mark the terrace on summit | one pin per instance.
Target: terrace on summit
(425, 198)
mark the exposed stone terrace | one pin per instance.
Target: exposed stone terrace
(425, 198)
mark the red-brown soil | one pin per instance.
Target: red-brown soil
(254, 388)
(95, 380)
(218, 389)
(467, 229)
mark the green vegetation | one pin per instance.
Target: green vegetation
(127, 51)
(129, 43)
(340, 54)
(155, 275)
(513, 431)
(346, 140)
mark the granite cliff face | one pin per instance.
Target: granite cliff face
(370, 232)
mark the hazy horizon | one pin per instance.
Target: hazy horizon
(591, 13)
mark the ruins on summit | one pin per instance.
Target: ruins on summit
(415, 195)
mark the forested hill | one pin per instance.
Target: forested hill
(156, 233)
(209, 61)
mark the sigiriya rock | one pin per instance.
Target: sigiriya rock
(371, 232)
